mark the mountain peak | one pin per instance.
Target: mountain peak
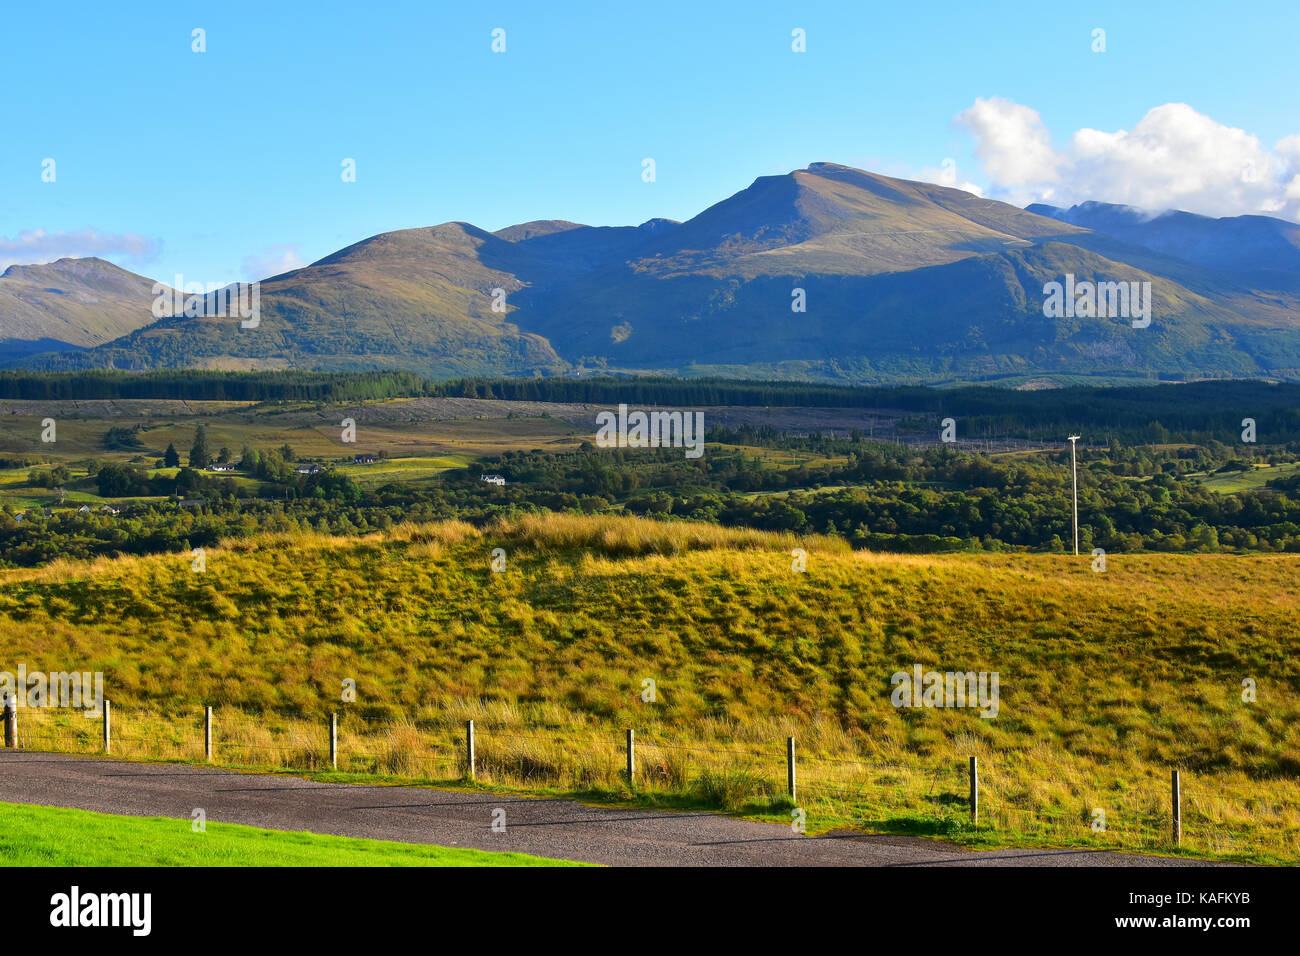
(658, 225)
(536, 228)
(825, 167)
(66, 266)
(81, 302)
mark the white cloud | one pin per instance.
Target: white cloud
(1011, 142)
(1173, 158)
(1289, 150)
(33, 246)
(272, 261)
(946, 174)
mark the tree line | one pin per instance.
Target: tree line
(879, 496)
(1198, 411)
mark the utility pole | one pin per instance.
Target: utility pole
(1074, 470)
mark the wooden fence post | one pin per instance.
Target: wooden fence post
(334, 741)
(207, 734)
(1176, 800)
(974, 791)
(631, 756)
(469, 748)
(789, 767)
(108, 723)
(11, 721)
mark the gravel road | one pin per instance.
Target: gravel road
(552, 828)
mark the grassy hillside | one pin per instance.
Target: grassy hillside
(968, 319)
(416, 299)
(55, 836)
(78, 302)
(1107, 679)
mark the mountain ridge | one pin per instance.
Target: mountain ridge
(901, 280)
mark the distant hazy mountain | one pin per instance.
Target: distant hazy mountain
(1240, 242)
(902, 281)
(75, 303)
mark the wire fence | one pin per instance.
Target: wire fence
(1016, 800)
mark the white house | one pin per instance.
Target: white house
(492, 479)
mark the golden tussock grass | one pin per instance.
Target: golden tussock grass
(1107, 680)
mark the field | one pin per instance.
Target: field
(418, 439)
(50, 836)
(1251, 478)
(401, 428)
(1108, 680)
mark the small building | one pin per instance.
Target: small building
(224, 466)
(191, 502)
(84, 509)
(309, 469)
(492, 479)
(365, 459)
(109, 509)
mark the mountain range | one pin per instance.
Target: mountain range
(900, 281)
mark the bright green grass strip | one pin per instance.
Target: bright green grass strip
(53, 836)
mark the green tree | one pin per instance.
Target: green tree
(171, 457)
(199, 450)
(1204, 538)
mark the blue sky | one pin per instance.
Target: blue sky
(224, 164)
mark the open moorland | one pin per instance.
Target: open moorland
(1107, 679)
